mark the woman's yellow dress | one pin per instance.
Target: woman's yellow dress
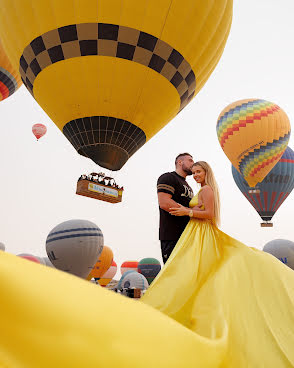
(216, 303)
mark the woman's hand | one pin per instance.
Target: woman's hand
(179, 211)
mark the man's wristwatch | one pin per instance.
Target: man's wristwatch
(191, 213)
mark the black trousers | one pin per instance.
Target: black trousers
(167, 247)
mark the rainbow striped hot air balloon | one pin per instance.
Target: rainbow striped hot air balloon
(268, 195)
(254, 134)
(9, 78)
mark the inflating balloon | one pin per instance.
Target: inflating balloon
(254, 134)
(132, 279)
(269, 195)
(149, 267)
(39, 130)
(9, 76)
(2, 247)
(282, 249)
(111, 74)
(102, 265)
(129, 266)
(74, 246)
(109, 275)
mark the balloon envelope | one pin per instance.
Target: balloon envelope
(132, 279)
(111, 74)
(254, 134)
(129, 266)
(282, 249)
(39, 130)
(30, 258)
(10, 79)
(109, 275)
(103, 263)
(269, 195)
(149, 267)
(74, 246)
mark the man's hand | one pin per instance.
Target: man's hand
(179, 211)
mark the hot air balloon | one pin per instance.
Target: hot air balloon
(2, 247)
(30, 257)
(102, 265)
(129, 266)
(39, 130)
(132, 279)
(268, 195)
(108, 275)
(48, 262)
(9, 76)
(282, 249)
(149, 267)
(112, 74)
(74, 246)
(254, 134)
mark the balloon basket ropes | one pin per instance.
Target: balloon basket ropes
(99, 186)
(266, 224)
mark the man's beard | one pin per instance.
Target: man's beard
(187, 170)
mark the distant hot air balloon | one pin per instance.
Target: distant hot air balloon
(30, 257)
(282, 249)
(10, 79)
(74, 246)
(132, 279)
(48, 262)
(149, 267)
(108, 275)
(268, 195)
(254, 134)
(103, 263)
(129, 266)
(39, 130)
(2, 247)
(113, 73)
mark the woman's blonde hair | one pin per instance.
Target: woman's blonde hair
(210, 180)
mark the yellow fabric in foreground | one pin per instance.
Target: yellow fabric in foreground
(237, 303)
(219, 287)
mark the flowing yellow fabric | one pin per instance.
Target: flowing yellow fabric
(233, 306)
(217, 286)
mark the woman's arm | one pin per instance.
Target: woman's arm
(208, 202)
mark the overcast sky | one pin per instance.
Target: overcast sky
(38, 179)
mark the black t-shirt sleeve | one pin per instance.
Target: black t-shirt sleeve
(166, 184)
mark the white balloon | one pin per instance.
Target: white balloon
(282, 249)
(133, 279)
(74, 246)
(2, 247)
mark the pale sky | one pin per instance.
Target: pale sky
(38, 179)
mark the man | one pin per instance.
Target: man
(172, 189)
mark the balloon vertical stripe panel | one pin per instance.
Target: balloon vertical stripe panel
(270, 194)
(10, 79)
(254, 134)
(112, 74)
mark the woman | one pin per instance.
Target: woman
(239, 299)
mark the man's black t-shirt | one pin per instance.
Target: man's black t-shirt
(171, 227)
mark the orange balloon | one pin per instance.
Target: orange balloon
(103, 263)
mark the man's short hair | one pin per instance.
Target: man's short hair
(181, 155)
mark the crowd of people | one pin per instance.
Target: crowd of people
(100, 178)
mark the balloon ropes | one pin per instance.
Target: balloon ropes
(269, 195)
(112, 74)
(254, 134)
(39, 130)
(9, 77)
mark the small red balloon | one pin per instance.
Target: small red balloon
(39, 130)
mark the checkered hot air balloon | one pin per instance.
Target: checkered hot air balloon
(254, 134)
(111, 74)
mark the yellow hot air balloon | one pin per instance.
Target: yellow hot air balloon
(102, 265)
(111, 74)
(9, 78)
(254, 134)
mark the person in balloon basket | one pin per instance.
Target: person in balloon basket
(173, 190)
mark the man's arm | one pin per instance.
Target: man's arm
(165, 201)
